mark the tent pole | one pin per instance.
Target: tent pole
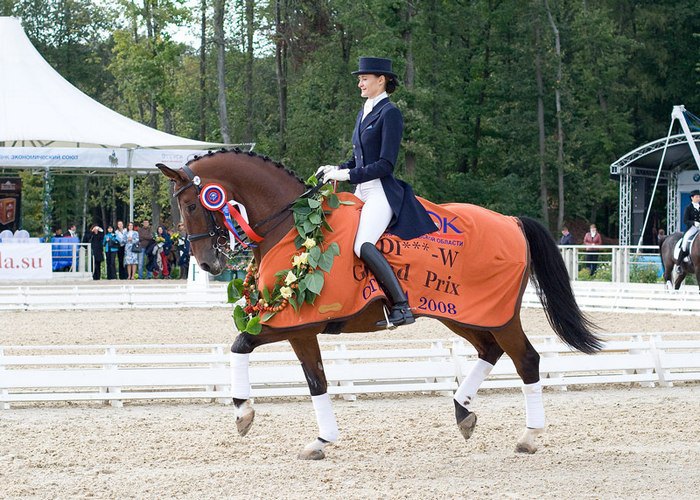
(129, 162)
(47, 202)
(131, 198)
(656, 182)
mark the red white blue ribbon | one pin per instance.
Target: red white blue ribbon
(213, 198)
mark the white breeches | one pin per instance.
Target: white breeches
(688, 234)
(375, 215)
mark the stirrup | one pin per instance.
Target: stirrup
(399, 315)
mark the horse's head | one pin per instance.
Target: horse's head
(205, 230)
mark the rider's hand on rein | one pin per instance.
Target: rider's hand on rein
(337, 175)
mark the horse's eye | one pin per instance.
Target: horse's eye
(191, 208)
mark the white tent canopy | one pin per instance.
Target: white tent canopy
(46, 122)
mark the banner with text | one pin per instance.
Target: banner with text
(10, 203)
(25, 261)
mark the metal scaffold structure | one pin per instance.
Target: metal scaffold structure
(665, 161)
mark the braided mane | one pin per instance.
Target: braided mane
(238, 151)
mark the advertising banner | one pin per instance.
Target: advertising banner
(25, 261)
(63, 157)
(10, 201)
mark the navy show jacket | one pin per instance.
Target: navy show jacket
(375, 146)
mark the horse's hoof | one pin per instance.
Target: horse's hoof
(526, 444)
(466, 425)
(245, 420)
(313, 450)
(311, 454)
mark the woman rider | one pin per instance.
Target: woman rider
(389, 204)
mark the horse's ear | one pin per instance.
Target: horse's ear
(175, 175)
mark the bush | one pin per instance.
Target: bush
(644, 274)
(603, 273)
(584, 274)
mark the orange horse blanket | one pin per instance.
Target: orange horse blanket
(469, 270)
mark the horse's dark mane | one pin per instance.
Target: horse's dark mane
(238, 151)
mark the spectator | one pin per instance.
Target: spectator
(145, 254)
(111, 248)
(566, 237)
(591, 240)
(161, 250)
(131, 258)
(121, 237)
(58, 233)
(96, 239)
(183, 251)
(72, 232)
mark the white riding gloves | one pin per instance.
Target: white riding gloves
(324, 169)
(337, 175)
(696, 224)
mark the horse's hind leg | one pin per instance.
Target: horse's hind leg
(306, 348)
(489, 352)
(527, 363)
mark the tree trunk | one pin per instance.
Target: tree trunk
(540, 124)
(203, 75)
(250, 31)
(220, 41)
(482, 96)
(560, 128)
(410, 75)
(281, 68)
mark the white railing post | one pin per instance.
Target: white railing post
(553, 354)
(218, 351)
(4, 392)
(345, 383)
(643, 348)
(112, 365)
(657, 353)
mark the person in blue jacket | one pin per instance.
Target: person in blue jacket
(389, 203)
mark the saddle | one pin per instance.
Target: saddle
(470, 270)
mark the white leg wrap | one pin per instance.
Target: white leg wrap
(240, 379)
(534, 408)
(327, 427)
(466, 392)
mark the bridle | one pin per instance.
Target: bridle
(221, 234)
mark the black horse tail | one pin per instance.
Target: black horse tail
(551, 280)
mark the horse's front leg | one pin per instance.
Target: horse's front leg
(242, 346)
(306, 348)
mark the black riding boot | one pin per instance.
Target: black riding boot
(400, 312)
(679, 262)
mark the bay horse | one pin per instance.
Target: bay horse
(672, 278)
(267, 189)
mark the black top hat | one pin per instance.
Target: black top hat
(374, 66)
(694, 192)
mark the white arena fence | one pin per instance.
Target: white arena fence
(590, 295)
(620, 263)
(118, 373)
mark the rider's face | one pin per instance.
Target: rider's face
(371, 85)
(695, 199)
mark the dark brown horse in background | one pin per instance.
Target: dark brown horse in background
(672, 277)
(267, 190)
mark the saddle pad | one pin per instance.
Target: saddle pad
(677, 246)
(469, 270)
